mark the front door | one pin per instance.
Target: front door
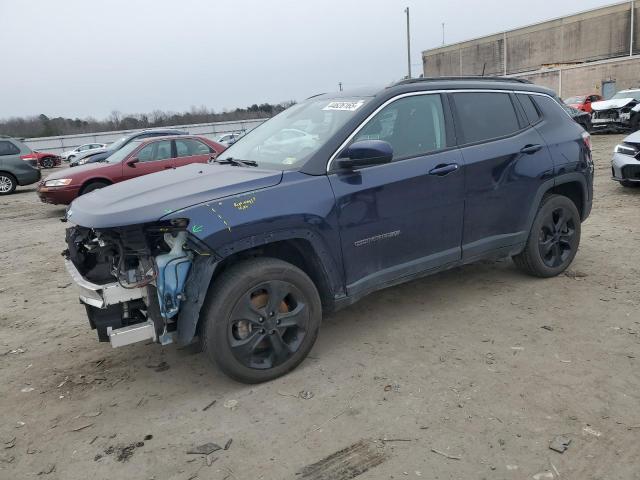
(404, 217)
(153, 157)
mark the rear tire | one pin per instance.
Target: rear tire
(554, 238)
(47, 162)
(260, 319)
(8, 183)
(93, 186)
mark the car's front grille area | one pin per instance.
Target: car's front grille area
(631, 172)
(606, 114)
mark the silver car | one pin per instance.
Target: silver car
(625, 166)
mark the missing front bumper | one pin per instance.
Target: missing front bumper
(102, 296)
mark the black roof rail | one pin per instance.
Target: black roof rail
(474, 78)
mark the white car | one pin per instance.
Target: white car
(81, 150)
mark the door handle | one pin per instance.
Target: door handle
(529, 149)
(443, 169)
(169, 167)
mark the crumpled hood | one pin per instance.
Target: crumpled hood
(148, 198)
(608, 104)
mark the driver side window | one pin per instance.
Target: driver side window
(155, 151)
(413, 126)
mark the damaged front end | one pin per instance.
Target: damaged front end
(136, 281)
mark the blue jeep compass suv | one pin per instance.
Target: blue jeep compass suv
(336, 197)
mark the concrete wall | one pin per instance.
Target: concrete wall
(69, 142)
(588, 78)
(589, 36)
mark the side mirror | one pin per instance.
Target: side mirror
(132, 162)
(365, 153)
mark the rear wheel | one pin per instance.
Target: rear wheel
(260, 319)
(8, 183)
(554, 238)
(47, 162)
(93, 186)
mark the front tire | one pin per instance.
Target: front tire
(260, 319)
(554, 238)
(93, 186)
(8, 183)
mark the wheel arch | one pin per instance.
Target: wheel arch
(302, 248)
(91, 180)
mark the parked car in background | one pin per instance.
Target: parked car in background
(581, 117)
(625, 165)
(229, 139)
(138, 157)
(385, 186)
(18, 166)
(46, 159)
(621, 113)
(583, 102)
(99, 155)
(87, 147)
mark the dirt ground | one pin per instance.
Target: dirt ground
(468, 374)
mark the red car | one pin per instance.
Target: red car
(137, 158)
(583, 102)
(45, 159)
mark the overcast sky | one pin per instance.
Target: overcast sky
(81, 58)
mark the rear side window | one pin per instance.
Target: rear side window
(189, 147)
(529, 107)
(8, 148)
(484, 116)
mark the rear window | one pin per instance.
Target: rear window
(484, 116)
(8, 148)
(529, 107)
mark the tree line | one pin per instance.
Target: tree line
(43, 126)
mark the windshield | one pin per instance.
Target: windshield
(117, 157)
(290, 138)
(635, 94)
(117, 144)
(574, 100)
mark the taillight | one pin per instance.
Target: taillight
(586, 138)
(29, 156)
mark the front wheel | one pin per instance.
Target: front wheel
(554, 238)
(8, 183)
(260, 320)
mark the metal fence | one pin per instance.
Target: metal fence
(69, 142)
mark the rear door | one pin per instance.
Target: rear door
(191, 150)
(506, 161)
(405, 217)
(153, 157)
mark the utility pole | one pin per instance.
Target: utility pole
(408, 45)
(442, 33)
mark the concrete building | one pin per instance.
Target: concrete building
(597, 51)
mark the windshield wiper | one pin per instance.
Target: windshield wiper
(236, 162)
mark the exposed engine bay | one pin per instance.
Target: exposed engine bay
(133, 279)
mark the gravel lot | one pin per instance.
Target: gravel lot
(468, 374)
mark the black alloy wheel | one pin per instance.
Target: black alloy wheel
(268, 324)
(260, 319)
(556, 240)
(553, 240)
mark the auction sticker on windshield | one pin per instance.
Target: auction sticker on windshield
(347, 106)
